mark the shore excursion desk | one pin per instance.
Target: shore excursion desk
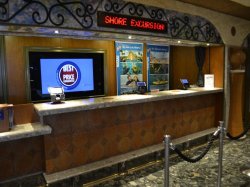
(89, 130)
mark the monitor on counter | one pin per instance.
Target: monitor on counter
(185, 83)
(79, 72)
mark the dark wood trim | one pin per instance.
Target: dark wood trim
(247, 82)
(3, 79)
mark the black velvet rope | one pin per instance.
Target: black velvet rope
(197, 158)
(240, 135)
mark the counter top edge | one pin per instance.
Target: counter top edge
(44, 109)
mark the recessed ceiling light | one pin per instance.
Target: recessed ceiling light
(179, 42)
(130, 37)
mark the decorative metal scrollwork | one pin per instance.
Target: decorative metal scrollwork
(179, 26)
(207, 31)
(36, 14)
(133, 9)
(80, 12)
(77, 14)
(182, 28)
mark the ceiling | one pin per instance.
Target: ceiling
(237, 8)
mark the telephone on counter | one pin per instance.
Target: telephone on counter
(141, 87)
(56, 94)
(185, 84)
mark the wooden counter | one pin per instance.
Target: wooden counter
(89, 130)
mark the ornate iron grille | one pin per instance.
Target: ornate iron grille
(72, 14)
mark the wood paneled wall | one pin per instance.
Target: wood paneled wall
(25, 113)
(183, 65)
(16, 65)
(216, 63)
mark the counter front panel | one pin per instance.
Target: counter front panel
(85, 136)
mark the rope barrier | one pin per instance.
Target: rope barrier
(168, 145)
(199, 157)
(240, 135)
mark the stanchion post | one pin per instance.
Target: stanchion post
(166, 171)
(220, 153)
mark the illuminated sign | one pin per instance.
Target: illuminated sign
(112, 20)
(68, 75)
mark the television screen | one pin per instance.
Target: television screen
(80, 73)
(73, 75)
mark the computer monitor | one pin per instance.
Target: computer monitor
(185, 83)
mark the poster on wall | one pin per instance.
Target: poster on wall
(128, 66)
(158, 67)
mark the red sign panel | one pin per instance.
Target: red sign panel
(112, 20)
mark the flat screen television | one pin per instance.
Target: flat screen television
(79, 72)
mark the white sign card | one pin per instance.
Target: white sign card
(209, 80)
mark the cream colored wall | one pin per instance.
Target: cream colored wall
(222, 22)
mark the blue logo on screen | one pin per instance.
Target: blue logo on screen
(68, 75)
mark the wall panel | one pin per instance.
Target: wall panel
(183, 65)
(217, 65)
